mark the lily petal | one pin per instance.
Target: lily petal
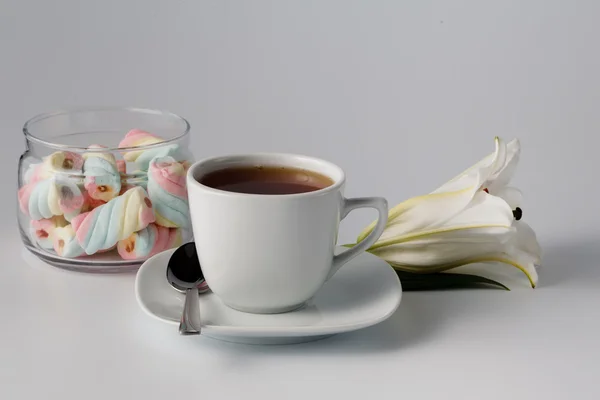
(511, 195)
(426, 256)
(461, 236)
(501, 268)
(475, 266)
(419, 213)
(526, 241)
(491, 164)
(500, 178)
(483, 212)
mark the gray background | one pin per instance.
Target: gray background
(403, 95)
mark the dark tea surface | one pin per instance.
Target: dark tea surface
(266, 180)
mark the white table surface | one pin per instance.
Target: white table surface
(402, 95)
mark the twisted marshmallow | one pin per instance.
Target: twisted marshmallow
(43, 230)
(104, 226)
(168, 192)
(34, 173)
(65, 242)
(64, 162)
(138, 138)
(102, 177)
(60, 162)
(149, 241)
(53, 196)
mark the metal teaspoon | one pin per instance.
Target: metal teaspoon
(185, 275)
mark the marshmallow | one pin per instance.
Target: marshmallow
(142, 158)
(149, 241)
(65, 242)
(121, 166)
(135, 178)
(102, 177)
(53, 196)
(34, 173)
(90, 203)
(42, 231)
(168, 192)
(62, 162)
(104, 226)
(126, 187)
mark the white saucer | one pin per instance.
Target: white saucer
(362, 293)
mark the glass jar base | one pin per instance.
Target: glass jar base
(102, 263)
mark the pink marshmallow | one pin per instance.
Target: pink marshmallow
(23, 196)
(122, 166)
(138, 137)
(170, 176)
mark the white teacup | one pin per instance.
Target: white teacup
(264, 253)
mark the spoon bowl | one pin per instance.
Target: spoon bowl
(185, 275)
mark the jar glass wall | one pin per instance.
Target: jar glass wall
(102, 190)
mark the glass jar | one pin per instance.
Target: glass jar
(102, 190)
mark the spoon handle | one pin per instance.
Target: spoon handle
(190, 318)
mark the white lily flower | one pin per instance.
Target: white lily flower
(473, 218)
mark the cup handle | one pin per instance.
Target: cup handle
(378, 203)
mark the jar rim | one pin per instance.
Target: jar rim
(64, 147)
